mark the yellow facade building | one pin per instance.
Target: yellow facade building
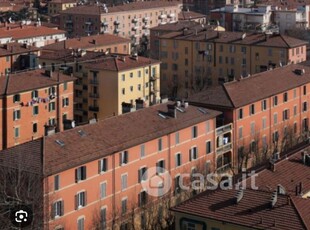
(122, 83)
(56, 6)
(194, 59)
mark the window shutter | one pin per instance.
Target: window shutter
(139, 199)
(139, 175)
(120, 158)
(53, 211)
(85, 198)
(62, 208)
(105, 164)
(190, 154)
(99, 166)
(126, 157)
(76, 175)
(84, 172)
(76, 198)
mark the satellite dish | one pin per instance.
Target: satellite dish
(39, 66)
(73, 124)
(280, 64)
(243, 36)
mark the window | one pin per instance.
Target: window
(123, 77)
(252, 109)
(123, 91)
(103, 217)
(194, 132)
(295, 110)
(240, 114)
(80, 174)
(124, 181)
(264, 122)
(275, 100)
(264, 105)
(160, 144)
(131, 88)
(304, 106)
(252, 128)
(275, 118)
(177, 138)
(160, 167)
(51, 90)
(124, 206)
(34, 127)
(295, 128)
(80, 199)
(305, 90)
(56, 182)
(65, 102)
(286, 114)
(285, 97)
(142, 174)
(16, 115)
(34, 94)
(243, 49)
(142, 197)
(139, 87)
(131, 75)
(295, 93)
(103, 190)
(269, 52)
(275, 136)
(253, 146)
(123, 157)
(103, 165)
(139, 73)
(208, 127)
(240, 132)
(142, 150)
(208, 147)
(57, 209)
(16, 98)
(193, 153)
(35, 110)
(51, 106)
(65, 85)
(16, 132)
(81, 224)
(178, 160)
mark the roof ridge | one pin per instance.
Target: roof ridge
(284, 40)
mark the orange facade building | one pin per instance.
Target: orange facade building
(269, 111)
(33, 104)
(96, 175)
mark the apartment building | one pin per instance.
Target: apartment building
(269, 111)
(31, 35)
(122, 83)
(34, 104)
(102, 42)
(56, 6)
(192, 16)
(131, 20)
(16, 56)
(193, 60)
(281, 201)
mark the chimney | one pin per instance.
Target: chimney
(296, 190)
(172, 111)
(49, 73)
(94, 41)
(300, 187)
(272, 166)
(274, 199)
(288, 200)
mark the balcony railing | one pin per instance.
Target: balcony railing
(223, 129)
(224, 148)
(224, 168)
(93, 108)
(94, 82)
(94, 95)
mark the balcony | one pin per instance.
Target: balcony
(153, 77)
(223, 129)
(94, 95)
(146, 19)
(145, 27)
(134, 28)
(135, 20)
(116, 31)
(224, 168)
(172, 15)
(162, 16)
(104, 24)
(224, 148)
(93, 108)
(94, 82)
(116, 22)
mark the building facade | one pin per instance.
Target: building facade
(34, 104)
(56, 6)
(270, 117)
(131, 20)
(193, 60)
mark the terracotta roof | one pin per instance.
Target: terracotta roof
(133, 6)
(200, 33)
(177, 26)
(187, 15)
(254, 205)
(290, 4)
(62, 1)
(16, 48)
(30, 80)
(87, 42)
(69, 56)
(121, 62)
(104, 138)
(253, 211)
(256, 87)
(29, 31)
(15, 156)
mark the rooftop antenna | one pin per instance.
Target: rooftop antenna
(239, 196)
